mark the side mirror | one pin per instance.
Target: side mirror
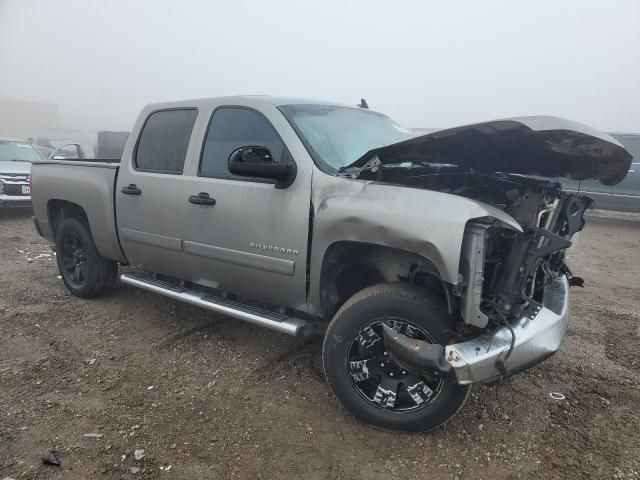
(258, 162)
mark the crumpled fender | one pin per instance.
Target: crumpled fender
(428, 223)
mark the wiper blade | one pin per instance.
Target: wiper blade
(354, 172)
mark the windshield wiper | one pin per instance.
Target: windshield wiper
(354, 172)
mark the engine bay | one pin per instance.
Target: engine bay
(519, 265)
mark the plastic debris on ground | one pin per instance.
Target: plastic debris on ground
(52, 459)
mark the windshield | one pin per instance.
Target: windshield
(338, 136)
(11, 150)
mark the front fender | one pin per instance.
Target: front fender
(428, 223)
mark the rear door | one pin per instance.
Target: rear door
(151, 190)
(253, 241)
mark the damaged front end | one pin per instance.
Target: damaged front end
(513, 295)
(513, 291)
(516, 289)
(505, 272)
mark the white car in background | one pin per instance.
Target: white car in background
(16, 157)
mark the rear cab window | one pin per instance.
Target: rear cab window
(163, 142)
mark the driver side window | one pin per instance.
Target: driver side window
(231, 128)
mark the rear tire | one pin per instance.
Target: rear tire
(84, 272)
(367, 382)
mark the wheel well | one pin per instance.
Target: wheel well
(348, 267)
(58, 210)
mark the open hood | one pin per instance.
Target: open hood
(540, 145)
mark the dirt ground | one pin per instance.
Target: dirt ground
(206, 396)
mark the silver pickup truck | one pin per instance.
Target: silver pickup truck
(430, 263)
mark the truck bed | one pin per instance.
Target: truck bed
(86, 183)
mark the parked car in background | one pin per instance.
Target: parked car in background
(623, 197)
(60, 148)
(16, 157)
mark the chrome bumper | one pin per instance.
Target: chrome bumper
(15, 200)
(536, 338)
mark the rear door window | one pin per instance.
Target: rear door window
(163, 143)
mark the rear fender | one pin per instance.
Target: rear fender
(89, 189)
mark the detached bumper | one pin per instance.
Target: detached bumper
(537, 337)
(476, 361)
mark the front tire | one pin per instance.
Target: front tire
(364, 378)
(84, 272)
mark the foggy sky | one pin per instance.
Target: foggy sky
(424, 63)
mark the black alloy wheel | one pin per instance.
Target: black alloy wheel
(367, 381)
(380, 380)
(83, 270)
(73, 259)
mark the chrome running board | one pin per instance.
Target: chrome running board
(275, 321)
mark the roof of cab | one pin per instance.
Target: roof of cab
(255, 100)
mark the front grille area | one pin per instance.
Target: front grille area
(15, 177)
(14, 189)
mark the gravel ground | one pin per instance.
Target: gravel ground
(208, 397)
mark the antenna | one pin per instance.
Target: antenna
(363, 104)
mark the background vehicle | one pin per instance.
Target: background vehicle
(16, 157)
(623, 197)
(437, 261)
(61, 148)
(111, 144)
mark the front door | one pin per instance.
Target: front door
(151, 193)
(253, 240)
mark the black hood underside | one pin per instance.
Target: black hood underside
(542, 146)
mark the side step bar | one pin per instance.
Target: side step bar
(275, 321)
